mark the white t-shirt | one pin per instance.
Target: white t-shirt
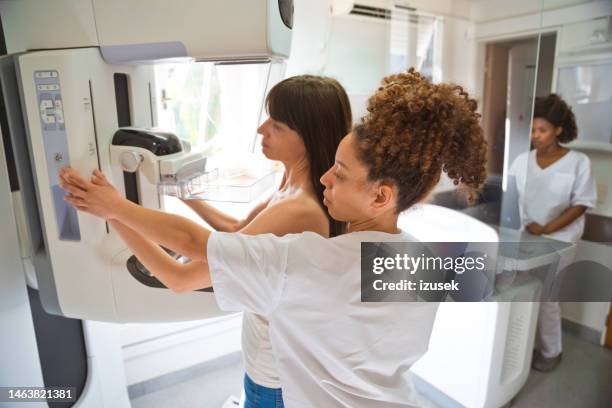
(332, 350)
(259, 360)
(545, 193)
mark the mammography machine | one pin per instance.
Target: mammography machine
(74, 100)
(85, 99)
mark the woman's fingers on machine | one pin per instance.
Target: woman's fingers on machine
(64, 178)
(99, 178)
(76, 203)
(74, 191)
(72, 177)
(75, 200)
(96, 180)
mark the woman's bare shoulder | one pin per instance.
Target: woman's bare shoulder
(302, 204)
(304, 209)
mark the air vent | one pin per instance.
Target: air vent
(368, 11)
(410, 15)
(405, 13)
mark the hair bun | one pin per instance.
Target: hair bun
(414, 129)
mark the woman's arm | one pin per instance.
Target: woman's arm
(100, 198)
(175, 275)
(219, 220)
(566, 218)
(177, 233)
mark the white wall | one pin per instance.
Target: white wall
(357, 53)
(499, 9)
(449, 8)
(309, 42)
(525, 19)
(459, 57)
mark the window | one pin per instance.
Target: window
(217, 109)
(212, 106)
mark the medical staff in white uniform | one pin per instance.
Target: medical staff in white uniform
(556, 187)
(332, 349)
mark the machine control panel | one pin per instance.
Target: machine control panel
(55, 142)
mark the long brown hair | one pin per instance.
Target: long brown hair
(318, 109)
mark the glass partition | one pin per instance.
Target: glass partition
(581, 78)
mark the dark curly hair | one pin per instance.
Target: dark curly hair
(318, 109)
(559, 114)
(415, 129)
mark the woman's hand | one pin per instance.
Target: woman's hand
(535, 229)
(97, 197)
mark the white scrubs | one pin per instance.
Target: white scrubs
(331, 349)
(543, 195)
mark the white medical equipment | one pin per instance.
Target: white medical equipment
(75, 74)
(74, 101)
(479, 353)
(466, 355)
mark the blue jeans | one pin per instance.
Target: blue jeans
(258, 396)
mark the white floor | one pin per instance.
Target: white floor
(209, 385)
(583, 380)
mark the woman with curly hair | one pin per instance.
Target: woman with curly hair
(332, 349)
(556, 187)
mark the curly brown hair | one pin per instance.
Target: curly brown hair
(559, 114)
(416, 129)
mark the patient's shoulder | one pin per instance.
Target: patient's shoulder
(304, 210)
(289, 215)
(300, 204)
